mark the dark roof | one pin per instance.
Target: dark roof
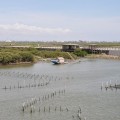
(71, 44)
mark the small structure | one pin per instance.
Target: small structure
(59, 60)
(93, 46)
(69, 47)
(97, 49)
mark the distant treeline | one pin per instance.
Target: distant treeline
(56, 43)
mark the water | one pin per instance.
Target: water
(81, 82)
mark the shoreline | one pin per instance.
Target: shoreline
(26, 63)
(103, 56)
(17, 64)
(90, 56)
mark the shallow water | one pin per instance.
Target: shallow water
(80, 81)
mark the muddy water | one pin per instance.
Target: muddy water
(58, 92)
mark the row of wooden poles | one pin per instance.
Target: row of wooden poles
(48, 109)
(109, 85)
(31, 103)
(34, 77)
(31, 76)
(37, 80)
(58, 108)
(34, 85)
(79, 114)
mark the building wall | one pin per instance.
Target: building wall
(69, 48)
(114, 52)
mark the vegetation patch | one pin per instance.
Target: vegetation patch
(18, 55)
(80, 53)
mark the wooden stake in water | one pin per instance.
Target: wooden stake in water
(49, 108)
(101, 85)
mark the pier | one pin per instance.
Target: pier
(97, 49)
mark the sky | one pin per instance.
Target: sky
(60, 20)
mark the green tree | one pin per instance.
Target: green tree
(26, 57)
(80, 53)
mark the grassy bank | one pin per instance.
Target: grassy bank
(102, 56)
(29, 55)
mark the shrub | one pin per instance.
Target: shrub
(80, 53)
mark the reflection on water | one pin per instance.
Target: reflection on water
(44, 91)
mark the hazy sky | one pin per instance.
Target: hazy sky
(60, 20)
